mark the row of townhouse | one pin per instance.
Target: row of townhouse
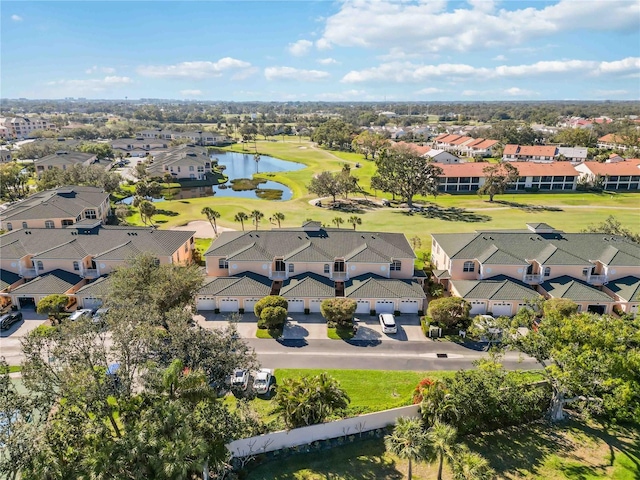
(464, 145)
(139, 147)
(22, 127)
(64, 159)
(469, 177)
(501, 271)
(543, 153)
(186, 162)
(429, 153)
(198, 137)
(611, 141)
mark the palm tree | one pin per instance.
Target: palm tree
(278, 217)
(407, 441)
(442, 438)
(241, 217)
(355, 220)
(467, 465)
(147, 210)
(211, 216)
(338, 221)
(257, 215)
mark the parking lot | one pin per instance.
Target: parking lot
(10, 347)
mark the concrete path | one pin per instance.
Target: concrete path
(202, 228)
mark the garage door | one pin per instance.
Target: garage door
(409, 306)
(92, 303)
(229, 305)
(384, 306)
(249, 304)
(501, 310)
(362, 306)
(314, 306)
(478, 308)
(27, 302)
(206, 303)
(296, 305)
(634, 310)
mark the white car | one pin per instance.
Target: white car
(262, 381)
(240, 379)
(388, 323)
(84, 312)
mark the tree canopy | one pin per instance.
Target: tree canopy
(497, 179)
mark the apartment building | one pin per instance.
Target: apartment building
(21, 127)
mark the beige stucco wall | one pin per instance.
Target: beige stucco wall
(616, 272)
(514, 271)
(574, 271)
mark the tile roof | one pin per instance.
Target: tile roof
(178, 155)
(611, 138)
(628, 167)
(55, 281)
(486, 143)
(308, 285)
(99, 288)
(67, 201)
(556, 248)
(576, 290)
(102, 241)
(7, 278)
(323, 245)
(510, 149)
(419, 149)
(63, 157)
(496, 288)
(627, 288)
(374, 286)
(246, 284)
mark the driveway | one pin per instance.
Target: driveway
(408, 329)
(305, 327)
(10, 347)
(247, 325)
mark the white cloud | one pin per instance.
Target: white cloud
(430, 27)
(499, 58)
(191, 93)
(95, 69)
(289, 73)
(407, 72)
(300, 48)
(323, 44)
(343, 96)
(245, 73)
(520, 92)
(194, 70)
(16, 18)
(74, 87)
(430, 91)
(328, 61)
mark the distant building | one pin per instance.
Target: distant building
(21, 127)
(64, 160)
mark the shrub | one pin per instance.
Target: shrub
(424, 324)
(270, 301)
(273, 317)
(450, 312)
(560, 306)
(338, 310)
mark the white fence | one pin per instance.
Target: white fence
(304, 435)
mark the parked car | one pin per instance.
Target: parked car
(99, 316)
(388, 323)
(262, 382)
(9, 319)
(78, 314)
(240, 379)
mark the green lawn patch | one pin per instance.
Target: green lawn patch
(15, 368)
(266, 333)
(337, 333)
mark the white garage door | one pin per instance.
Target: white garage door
(206, 303)
(229, 305)
(409, 306)
(92, 303)
(249, 304)
(477, 308)
(384, 306)
(634, 310)
(296, 305)
(362, 306)
(314, 306)
(501, 310)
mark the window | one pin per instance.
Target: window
(585, 271)
(280, 267)
(547, 271)
(49, 224)
(67, 222)
(469, 267)
(191, 169)
(223, 263)
(178, 169)
(39, 265)
(76, 266)
(24, 225)
(90, 213)
(326, 268)
(156, 262)
(291, 268)
(9, 226)
(396, 266)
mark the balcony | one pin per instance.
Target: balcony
(533, 279)
(90, 273)
(28, 272)
(278, 275)
(597, 279)
(340, 276)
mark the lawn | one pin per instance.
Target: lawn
(570, 212)
(575, 450)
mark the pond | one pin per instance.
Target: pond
(237, 165)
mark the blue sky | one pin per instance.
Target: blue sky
(352, 50)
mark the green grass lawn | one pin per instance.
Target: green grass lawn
(570, 212)
(15, 368)
(573, 451)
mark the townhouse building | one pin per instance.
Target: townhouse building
(182, 162)
(64, 160)
(543, 153)
(22, 127)
(464, 145)
(139, 147)
(198, 137)
(612, 141)
(614, 175)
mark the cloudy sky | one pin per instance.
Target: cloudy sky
(321, 50)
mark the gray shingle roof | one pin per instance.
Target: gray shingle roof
(323, 245)
(68, 201)
(64, 157)
(374, 286)
(308, 285)
(627, 288)
(99, 288)
(100, 241)
(176, 156)
(576, 290)
(243, 285)
(7, 278)
(500, 287)
(56, 281)
(557, 248)
(70, 250)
